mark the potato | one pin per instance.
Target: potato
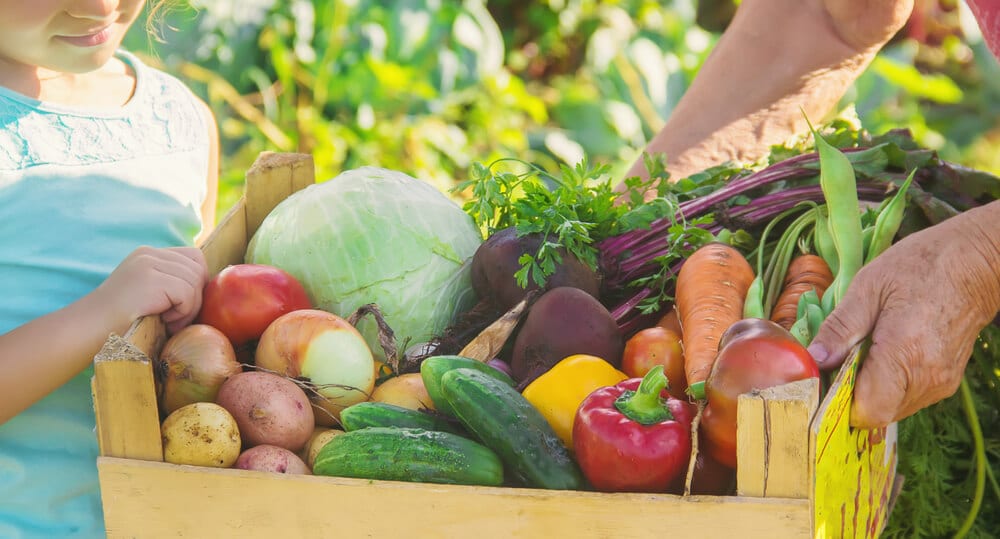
(271, 458)
(406, 390)
(319, 438)
(269, 409)
(201, 434)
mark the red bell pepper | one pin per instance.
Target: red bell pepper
(633, 436)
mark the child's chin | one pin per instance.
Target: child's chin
(86, 60)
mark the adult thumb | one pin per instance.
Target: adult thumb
(850, 322)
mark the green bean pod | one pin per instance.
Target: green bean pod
(839, 185)
(823, 241)
(753, 305)
(888, 221)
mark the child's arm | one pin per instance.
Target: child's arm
(776, 59)
(43, 354)
(212, 188)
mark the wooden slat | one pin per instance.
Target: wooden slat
(128, 423)
(228, 242)
(854, 470)
(773, 441)
(164, 500)
(271, 179)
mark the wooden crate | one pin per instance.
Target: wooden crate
(803, 473)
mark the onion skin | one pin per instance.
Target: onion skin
(194, 363)
(327, 351)
(501, 366)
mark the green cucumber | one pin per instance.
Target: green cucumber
(382, 414)
(433, 368)
(402, 454)
(503, 420)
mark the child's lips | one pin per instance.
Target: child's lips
(88, 40)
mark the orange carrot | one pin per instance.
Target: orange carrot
(806, 272)
(711, 289)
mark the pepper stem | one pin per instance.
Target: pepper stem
(645, 405)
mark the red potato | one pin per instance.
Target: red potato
(271, 458)
(269, 409)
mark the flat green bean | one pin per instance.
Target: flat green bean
(823, 241)
(839, 185)
(888, 221)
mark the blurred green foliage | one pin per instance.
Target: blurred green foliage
(429, 87)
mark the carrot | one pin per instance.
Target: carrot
(711, 288)
(806, 272)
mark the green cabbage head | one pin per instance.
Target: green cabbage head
(373, 235)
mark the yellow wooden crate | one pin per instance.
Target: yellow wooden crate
(803, 472)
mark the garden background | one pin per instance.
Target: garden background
(429, 87)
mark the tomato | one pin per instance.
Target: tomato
(711, 478)
(753, 354)
(656, 346)
(243, 299)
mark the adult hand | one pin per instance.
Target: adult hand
(866, 24)
(167, 281)
(923, 301)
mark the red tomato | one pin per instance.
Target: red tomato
(243, 299)
(710, 478)
(656, 346)
(754, 354)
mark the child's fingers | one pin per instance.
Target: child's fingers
(193, 254)
(182, 301)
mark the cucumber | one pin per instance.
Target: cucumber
(433, 368)
(382, 414)
(503, 420)
(402, 454)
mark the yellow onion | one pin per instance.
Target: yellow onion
(193, 364)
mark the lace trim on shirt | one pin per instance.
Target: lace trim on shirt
(162, 118)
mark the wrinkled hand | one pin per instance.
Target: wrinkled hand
(867, 24)
(167, 281)
(924, 302)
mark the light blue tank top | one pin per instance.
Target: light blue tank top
(79, 190)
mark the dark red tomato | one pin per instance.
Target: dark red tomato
(243, 299)
(759, 354)
(656, 346)
(711, 478)
(753, 327)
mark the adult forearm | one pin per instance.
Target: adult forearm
(777, 60)
(983, 226)
(40, 356)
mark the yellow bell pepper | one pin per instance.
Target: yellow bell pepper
(558, 392)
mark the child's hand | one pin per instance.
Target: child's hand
(167, 281)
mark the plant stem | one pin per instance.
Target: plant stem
(980, 454)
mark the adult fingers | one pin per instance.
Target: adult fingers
(850, 322)
(884, 378)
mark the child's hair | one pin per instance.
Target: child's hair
(155, 11)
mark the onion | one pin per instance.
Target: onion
(406, 390)
(324, 350)
(501, 366)
(193, 365)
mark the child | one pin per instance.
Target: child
(99, 155)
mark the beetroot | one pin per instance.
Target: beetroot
(564, 321)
